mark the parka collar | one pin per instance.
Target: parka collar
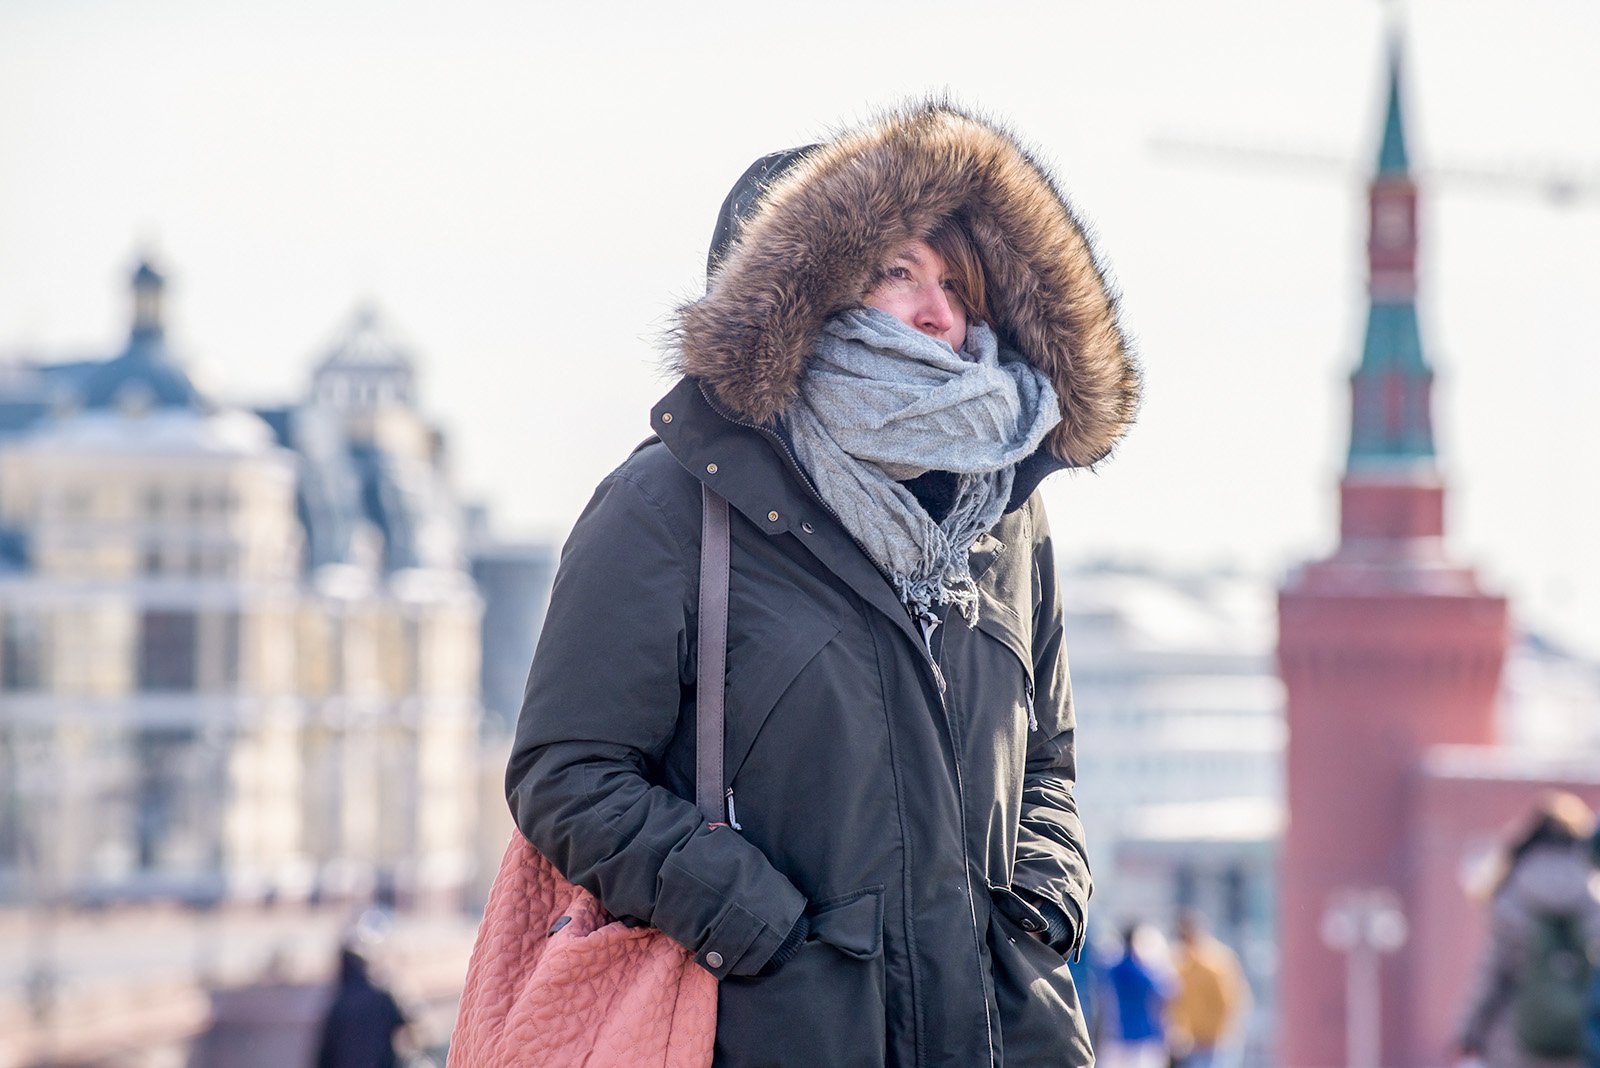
(747, 464)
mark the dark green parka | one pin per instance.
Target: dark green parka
(914, 803)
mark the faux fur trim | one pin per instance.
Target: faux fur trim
(828, 223)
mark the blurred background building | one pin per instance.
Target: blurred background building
(241, 657)
(239, 648)
(1180, 742)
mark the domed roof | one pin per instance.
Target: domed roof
(145, 374)
(367, 344)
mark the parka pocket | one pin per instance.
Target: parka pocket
(762, 664)
(1040, 1018)
(1018, 909)
(999, 621)
(825, 1006)
(852, 924)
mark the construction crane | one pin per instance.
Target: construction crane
(1560, 186)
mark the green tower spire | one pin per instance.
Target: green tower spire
(1392, 158)
(1391, 391)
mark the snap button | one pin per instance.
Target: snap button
(714, 959)
(808, 528)
(666, 417)
(711, 469)
(772, 517)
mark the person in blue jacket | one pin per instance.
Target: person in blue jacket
(1140, 989)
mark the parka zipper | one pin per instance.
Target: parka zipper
(938, 678)
(929, 622)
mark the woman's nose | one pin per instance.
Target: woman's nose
(935, 315)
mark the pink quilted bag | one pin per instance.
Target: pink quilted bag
(555, 982)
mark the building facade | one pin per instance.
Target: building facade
(238, 650)
(1180, 755)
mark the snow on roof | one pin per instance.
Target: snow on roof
(1152, 609)
(1233, 819)
(1512, 763)
(156, 431)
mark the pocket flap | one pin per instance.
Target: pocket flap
(853, 925)
(999, 621)
(759, 671)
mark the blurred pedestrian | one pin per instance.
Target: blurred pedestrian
(1532, 994)
(1209, 998)
(1594, 979)
(1089, 978)
(1140, 987)
(363, 1020)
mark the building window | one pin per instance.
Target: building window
(167, 659)
(160, 757)
(22, 652)
(75, 504)
(1235, 896)
(231, 626)
(1186, 886)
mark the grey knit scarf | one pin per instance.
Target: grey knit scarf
(880, 403)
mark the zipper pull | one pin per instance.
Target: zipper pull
(733, 819)
(928, 622)
(1033, 719)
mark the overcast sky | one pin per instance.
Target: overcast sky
(526, 191)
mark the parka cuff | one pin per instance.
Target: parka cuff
(741, 944)
(1063, 925)
(791, 946)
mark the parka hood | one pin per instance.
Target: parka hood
(826, 218)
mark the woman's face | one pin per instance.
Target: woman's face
(916, 289)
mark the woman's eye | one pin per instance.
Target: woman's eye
(898, 273)
(948, 284)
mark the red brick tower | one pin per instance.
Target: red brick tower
(1385, 648)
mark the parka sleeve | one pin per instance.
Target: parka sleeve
(611, 672)
(1051, 864)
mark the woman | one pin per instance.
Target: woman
(1531, 1001)
(904, 331)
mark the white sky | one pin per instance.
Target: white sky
(527, 189)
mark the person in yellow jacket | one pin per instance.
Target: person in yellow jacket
(1210, 996)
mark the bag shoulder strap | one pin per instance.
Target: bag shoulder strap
(712, 657)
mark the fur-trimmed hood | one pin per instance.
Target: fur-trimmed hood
(815, 237)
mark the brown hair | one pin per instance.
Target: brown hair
(952, 240)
